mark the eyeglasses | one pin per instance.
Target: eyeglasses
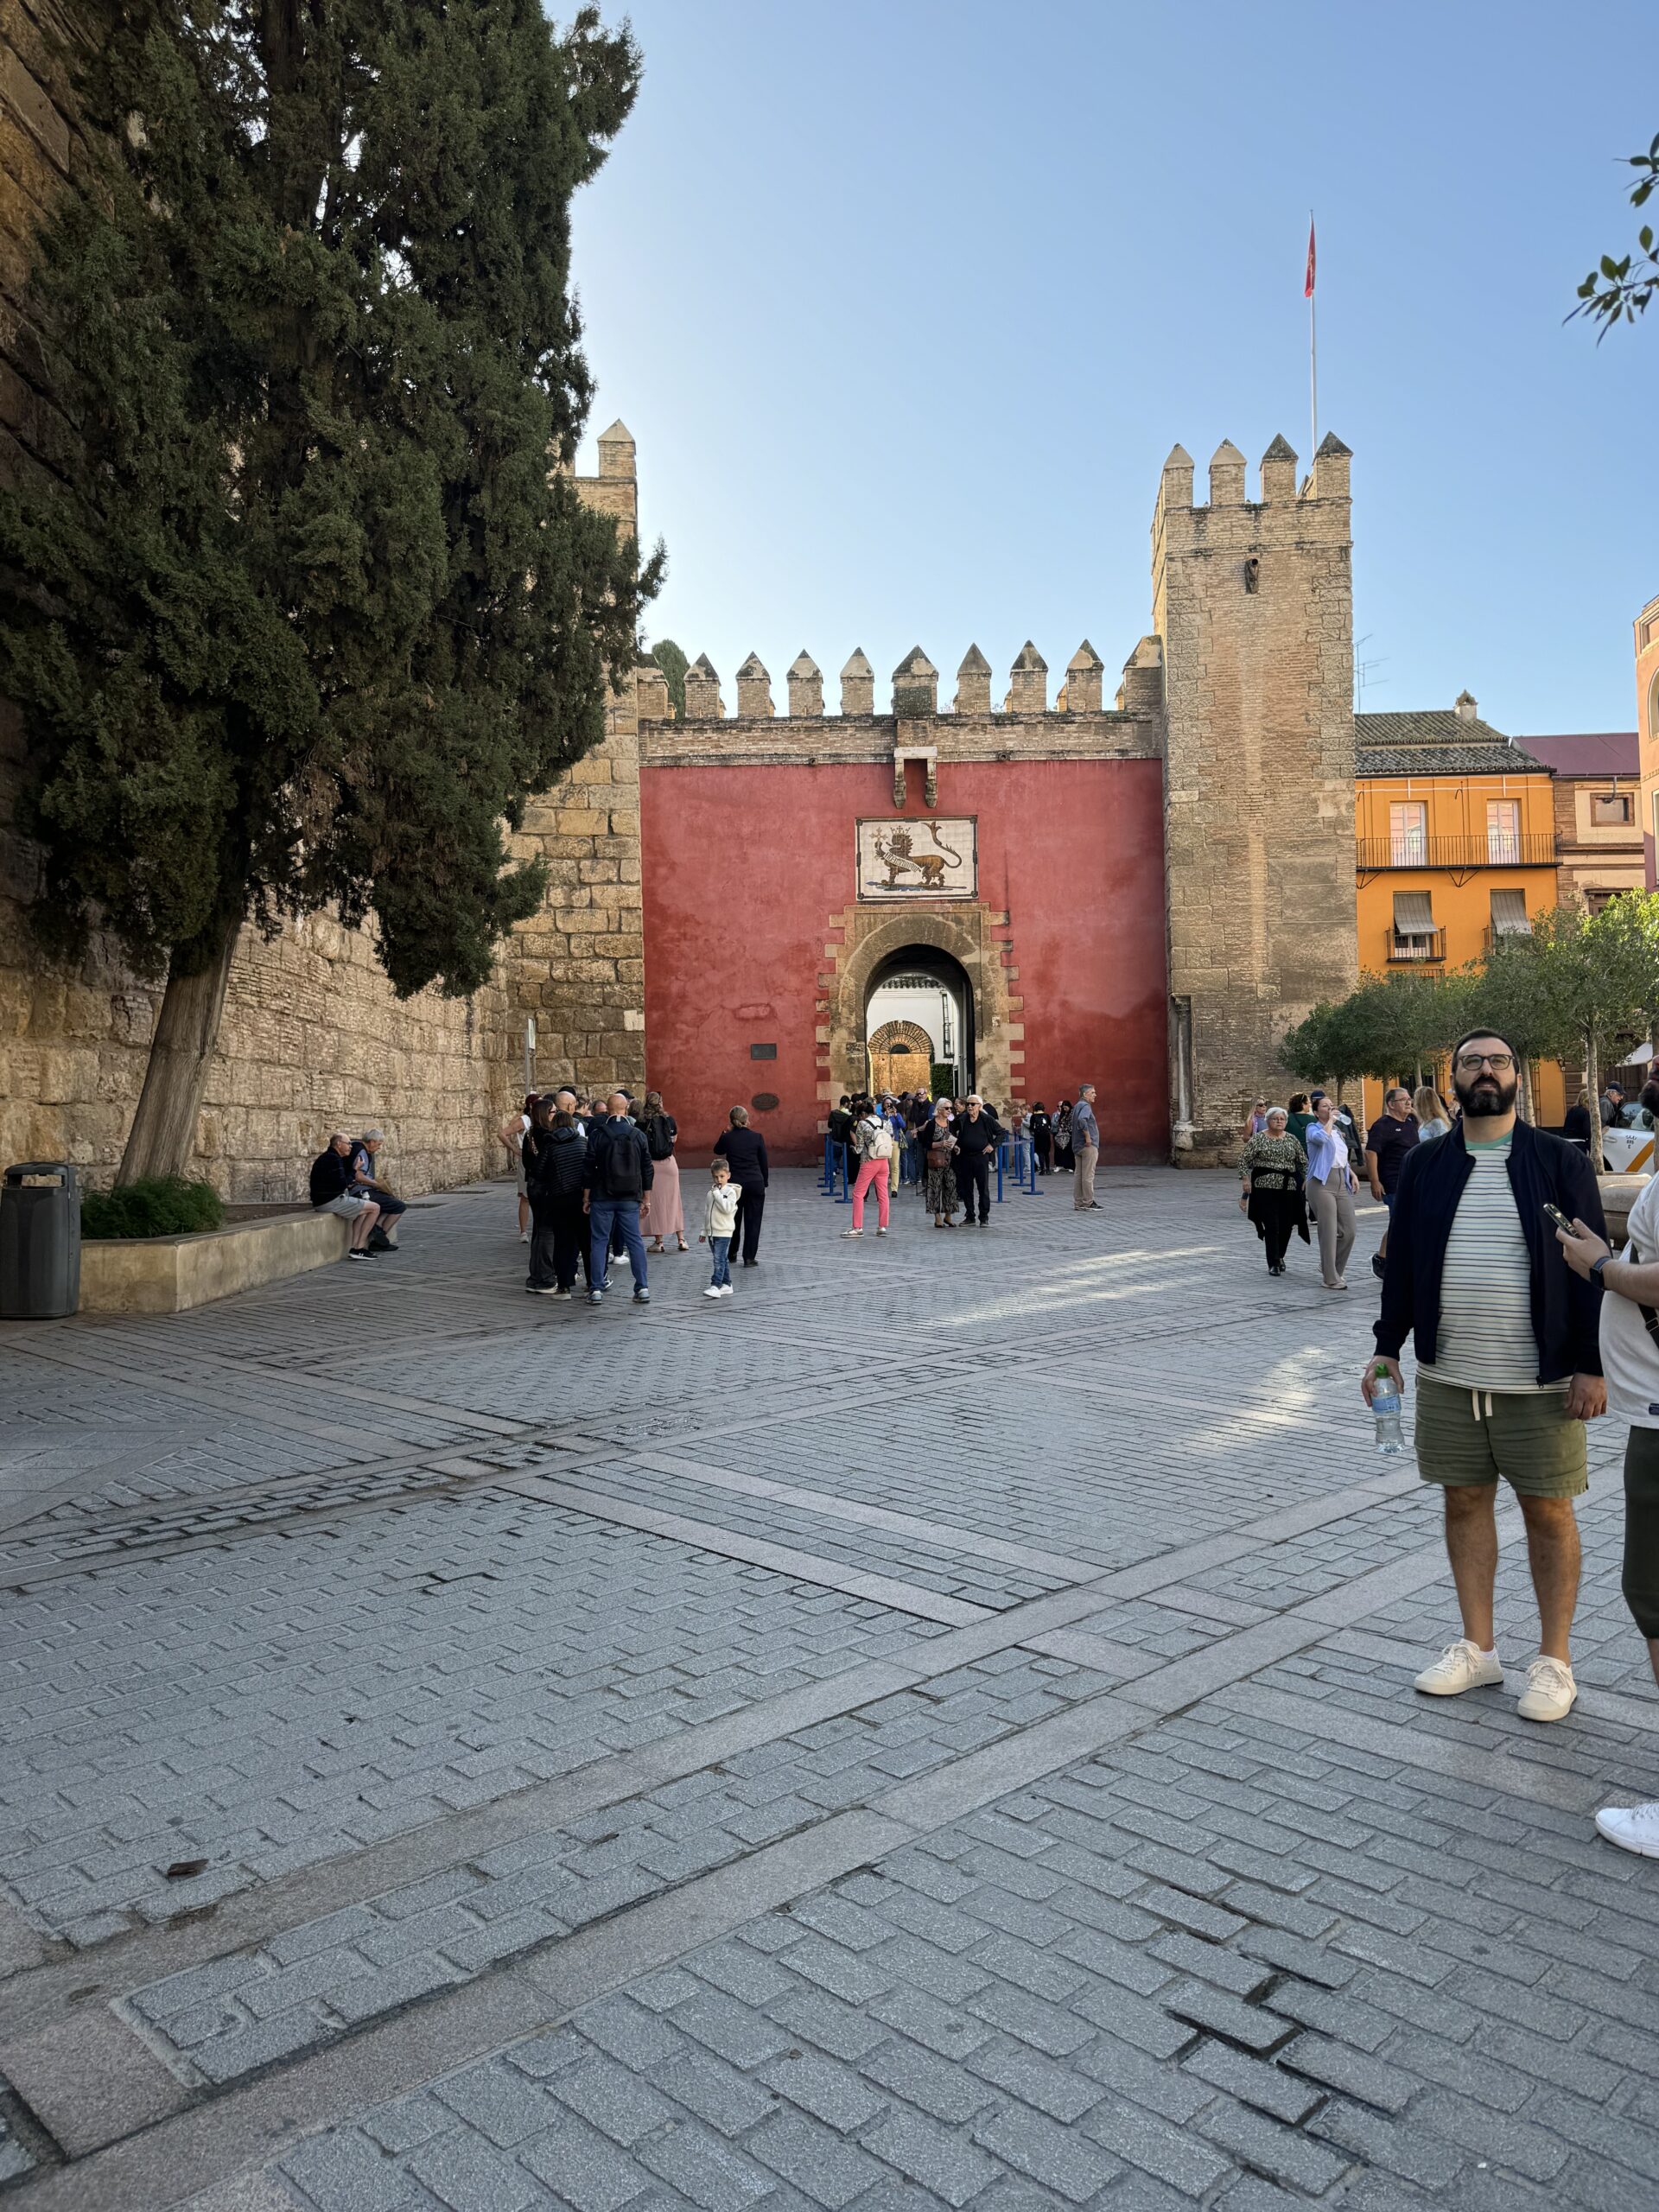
(1499, 1063)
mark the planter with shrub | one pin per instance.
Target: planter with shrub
(160, 1206)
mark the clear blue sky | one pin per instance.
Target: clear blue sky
(906, 300)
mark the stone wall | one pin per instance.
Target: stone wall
(313, 1036)
(1254, 602)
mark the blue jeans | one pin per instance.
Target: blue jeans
(721, 1247)
(624, 1213)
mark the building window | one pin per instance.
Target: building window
(763, 1051)
(1595, 901)
(1610, 810)
(1504, 832)
(1414, 935)
(1510, 916)
(1408, 834)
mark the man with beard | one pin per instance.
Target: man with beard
(1509, 1367)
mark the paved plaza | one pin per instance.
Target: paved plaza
(932, 1730)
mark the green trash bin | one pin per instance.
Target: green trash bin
(40, 1241)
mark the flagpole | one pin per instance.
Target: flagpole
(1313, 351)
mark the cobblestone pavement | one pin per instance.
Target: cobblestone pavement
(933, 1730)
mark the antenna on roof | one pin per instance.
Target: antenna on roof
(1363, 674)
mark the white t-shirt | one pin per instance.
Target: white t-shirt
(1629, 1357)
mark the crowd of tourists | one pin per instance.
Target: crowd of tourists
(946, 1148)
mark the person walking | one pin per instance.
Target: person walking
(1062, 1159)
(1509, 1360)
(1432, 1118)
(877, 1149)
(667, 1207)
(616, 1194)
(1085, 1149)
(977, 1134)
(1297, 1120)
(1388, 1141)
(556, 1166)
(939, 1183)
(1042, 1138)
(1273, 1168)
(1629, 1340)
(1330, 1186)
(744, 1150)
(719, 1220)
(1256, 1121)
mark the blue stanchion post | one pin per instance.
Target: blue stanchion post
(827, 1175)
(1001, 1154)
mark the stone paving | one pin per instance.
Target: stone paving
(934, 1730)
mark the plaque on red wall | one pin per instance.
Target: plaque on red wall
(935, 858)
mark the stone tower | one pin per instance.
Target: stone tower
(1254, 602)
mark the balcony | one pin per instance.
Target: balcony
(1463, 854)
(1420, 950)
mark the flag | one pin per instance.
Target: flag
(1308, 287)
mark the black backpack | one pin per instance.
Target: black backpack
(660, 1133)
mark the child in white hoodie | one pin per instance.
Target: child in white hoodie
(719, 1219)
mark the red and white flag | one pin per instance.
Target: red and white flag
(1308, 287)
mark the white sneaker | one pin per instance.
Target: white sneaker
(1632, 1828)
(1550, 1693)
(713, 1291)
(852, 1232)
(881, 1232)
(725, 1290)
(524, 1236)
(1462, 1666)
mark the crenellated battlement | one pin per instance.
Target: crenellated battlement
(915, 688)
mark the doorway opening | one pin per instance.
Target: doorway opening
(919, 1023)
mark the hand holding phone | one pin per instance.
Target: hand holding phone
(1559, 1218)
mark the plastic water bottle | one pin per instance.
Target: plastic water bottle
(1385, 1409)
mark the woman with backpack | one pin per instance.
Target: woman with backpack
(555, 1156)
(667, 1210)
(873, 1140)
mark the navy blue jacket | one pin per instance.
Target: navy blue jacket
(1565, 1310)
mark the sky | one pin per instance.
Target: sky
(905, 301)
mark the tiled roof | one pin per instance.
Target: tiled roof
(1595, 754)
(1437, 741)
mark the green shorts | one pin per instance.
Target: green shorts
(1474, 1436)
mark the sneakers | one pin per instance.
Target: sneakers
(596, 1298)
(725, 1290)
(562, 1293)
(881, 1232)
(713, 1291)
(358, 1253)
(852, 1232)
(524, 1236)
(1551, 1692)
(1632, 1828)
(1460, 1667)
(641, 1296)
(544, 1290)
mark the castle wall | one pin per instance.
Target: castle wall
(755, 934)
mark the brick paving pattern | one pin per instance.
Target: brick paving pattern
(918, 1735)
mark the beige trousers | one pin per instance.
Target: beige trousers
(1333, 1212)
(1084, 1158)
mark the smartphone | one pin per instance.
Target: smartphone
(1558, 1218)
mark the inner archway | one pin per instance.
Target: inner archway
(918, 1022)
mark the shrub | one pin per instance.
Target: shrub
(161, 1206)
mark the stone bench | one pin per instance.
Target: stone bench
(166, 1274)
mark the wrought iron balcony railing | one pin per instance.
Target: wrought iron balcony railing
(1414, 950)
(1495, 850)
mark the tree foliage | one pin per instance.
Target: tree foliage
(672, 659)
(302, 617)
(1617, 290)
(1392, 1025)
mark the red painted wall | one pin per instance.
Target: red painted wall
(744, 867)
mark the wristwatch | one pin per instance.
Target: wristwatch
(1596, 1267)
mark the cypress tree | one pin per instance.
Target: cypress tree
(301, 613)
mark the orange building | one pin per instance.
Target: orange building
(1455, 831)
